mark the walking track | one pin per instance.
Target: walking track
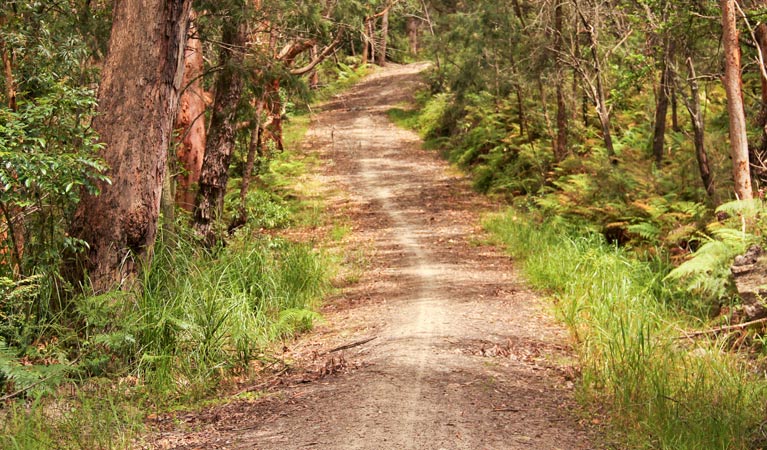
(463, 355)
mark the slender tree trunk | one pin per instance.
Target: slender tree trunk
(366, 42)
(220, 144)
(560, 143)
(384, 38)
(674, 108)
(275, 115)
(372, 39)
(314, 76)
(190, 125)
(545, 109)
(600, 99)
(520, 108)
(254, 151)
(413, 24)
(696, 117)
(9, 79)
(13, 214)
(661, 109)
(135, 123)
(759, 154)
(733, 87)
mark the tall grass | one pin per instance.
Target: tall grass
(661, 391)
(203, 313)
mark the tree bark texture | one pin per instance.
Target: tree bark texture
(190, 125)
(734, 89)
(138, 97)
(220, 143)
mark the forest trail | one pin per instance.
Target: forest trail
(463, 355)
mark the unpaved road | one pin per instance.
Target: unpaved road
(464, 356)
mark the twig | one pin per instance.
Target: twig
(352, 345)
(739, 326)
(256, 387)
(506, 410)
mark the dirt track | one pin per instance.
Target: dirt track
(463, 355)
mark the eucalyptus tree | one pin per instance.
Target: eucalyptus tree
(733, 87)
(135, 123)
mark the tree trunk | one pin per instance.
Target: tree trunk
(314, 76)
(190, 125)
(560, 143)
(674, 108)
(135, 122)
(520, 109)
(759, 154)
(13, 214)
(275, 114)
(733, 87)
(661, 109)
(254, 150)
(412, 34)
(372, 39)
(220, 144)
(696, 117)
(366, 42)
(384, 38)
(9, 80)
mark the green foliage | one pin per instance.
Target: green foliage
(659, 393)
(203, 313)
(96, 418)
(707, 273)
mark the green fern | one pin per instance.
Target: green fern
(707, 273)
(646, 230)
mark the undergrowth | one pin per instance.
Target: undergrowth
(197, 319)
(661, 391)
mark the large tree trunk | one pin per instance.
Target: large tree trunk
(661, 109)
(137, 101)
(384, 38)
(218, 149)
(190, 125)
(733, 87)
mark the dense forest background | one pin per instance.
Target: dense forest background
(146, 163)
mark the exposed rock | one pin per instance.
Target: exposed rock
(750, 273)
